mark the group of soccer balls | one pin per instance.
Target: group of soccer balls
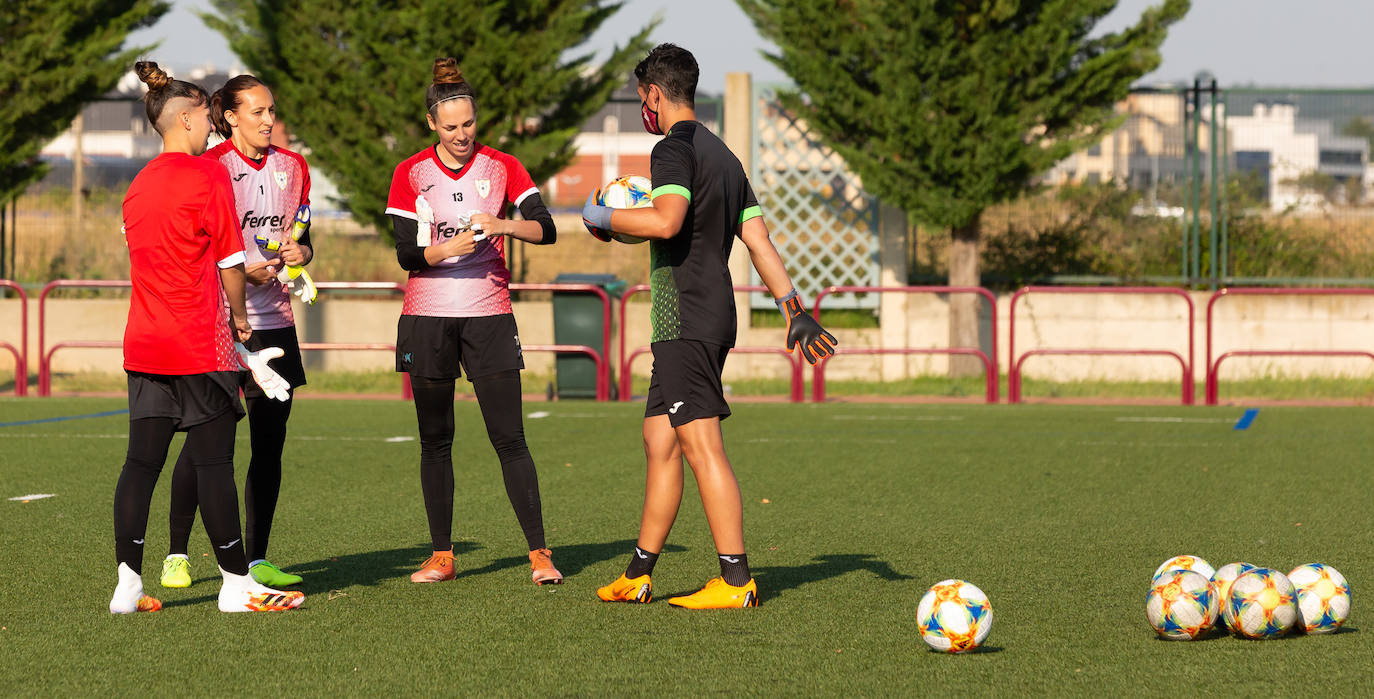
(1189, 599)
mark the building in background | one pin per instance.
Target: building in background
(1302, 154)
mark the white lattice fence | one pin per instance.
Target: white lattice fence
(822, 222)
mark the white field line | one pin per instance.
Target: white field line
(901, 418)
(35, 496)
(1200, 420)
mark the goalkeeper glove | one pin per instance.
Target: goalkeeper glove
(803, 330)
(296, 279)
(597, 218)
(426, 219)
(264, 376)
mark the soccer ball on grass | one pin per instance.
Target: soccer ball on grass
(954, 616)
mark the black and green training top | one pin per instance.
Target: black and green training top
(693, 298)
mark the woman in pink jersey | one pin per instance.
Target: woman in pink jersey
(270, 184)
(447, 205)
(187, 312)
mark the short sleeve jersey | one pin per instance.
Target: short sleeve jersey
(266, 196)
(179, 222)
(475, 284)
(689, 278)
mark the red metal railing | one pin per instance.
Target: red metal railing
(21, 353)
(795, 394)
(1213, 367)
(46, 353)
(603, 367)
(1014, 363)
(989, 363)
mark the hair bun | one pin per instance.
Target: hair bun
(446, 71)
(151, 75)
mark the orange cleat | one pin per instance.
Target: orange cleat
(541, 568)
(148, 604)
(438, 568)
(719, 594)
(625, 589)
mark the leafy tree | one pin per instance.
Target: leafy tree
(349, 77)
(55, 57)
(945, 107)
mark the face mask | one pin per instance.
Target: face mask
(650, 118)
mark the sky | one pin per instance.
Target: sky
(1242, 42)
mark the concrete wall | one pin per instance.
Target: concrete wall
(918, 320)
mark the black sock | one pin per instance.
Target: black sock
(434, 412)
(641, 563)
(734, 568)
(267, 436)
(211, 446)
(182, 515)
(498, 395)
(148, 442)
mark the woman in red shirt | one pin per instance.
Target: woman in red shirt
(185, 262)
(269, 184)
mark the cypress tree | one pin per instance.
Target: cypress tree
(349, 77)
(56, 56)
(946, 107)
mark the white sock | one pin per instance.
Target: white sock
(178, 555)
(260, 560)
(128, 592)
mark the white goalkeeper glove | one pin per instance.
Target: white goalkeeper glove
(264, 376)
(426, 222)
(298, 281)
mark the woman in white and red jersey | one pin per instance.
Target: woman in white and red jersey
(269, 183)
(448, 205)
(187, 311)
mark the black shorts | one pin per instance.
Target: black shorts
(435, 347)
(189, 400)
(685, 383)
(289, 364)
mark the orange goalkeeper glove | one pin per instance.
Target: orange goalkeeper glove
(803, 330)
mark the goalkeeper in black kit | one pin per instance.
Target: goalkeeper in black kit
(702, 201)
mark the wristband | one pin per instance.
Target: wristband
(598, 216)
(782, 302)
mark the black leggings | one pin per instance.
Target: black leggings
(267, 438)
(498, 395)
(209, 451)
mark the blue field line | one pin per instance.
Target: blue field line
(1245, 420)
(64, 418)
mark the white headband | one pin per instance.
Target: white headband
(455, 97)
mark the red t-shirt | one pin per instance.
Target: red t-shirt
(180, 226)
(475, 284)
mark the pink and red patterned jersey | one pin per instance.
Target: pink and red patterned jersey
(469, 285)
(179, 223)
(266, 195)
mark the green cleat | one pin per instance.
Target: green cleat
(267, 574)
(176, 572)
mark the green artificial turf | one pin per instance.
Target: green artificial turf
(1059, 513)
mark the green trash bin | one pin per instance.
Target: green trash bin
(577, 320)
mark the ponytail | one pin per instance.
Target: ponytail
(162, 88)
